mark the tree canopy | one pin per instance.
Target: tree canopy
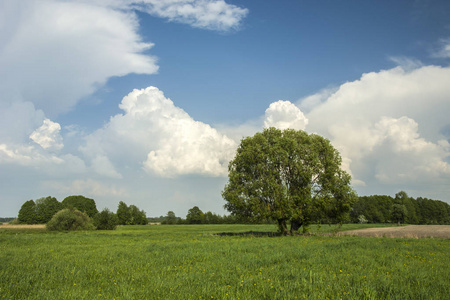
(288, 176)
(130, 215)
(195, 216)
(81, 203)
(46, 208)
(27, 213)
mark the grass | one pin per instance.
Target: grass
(192, 262)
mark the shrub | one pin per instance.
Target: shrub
(106, 220)
(70, 219)
(14, 222)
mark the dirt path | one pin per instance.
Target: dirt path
(409, 231)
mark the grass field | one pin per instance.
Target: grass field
(193, 262)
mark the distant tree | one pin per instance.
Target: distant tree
(195, 216)
(171, 218)
(137, 217)
(123, 214)
(70, 219)
(27, 213)
(106, 220)
(399, 213)
(130, 215)
(46, 208)
(81, 203)
(288, 176)
(212, 218)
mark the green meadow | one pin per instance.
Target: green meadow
(219, 262)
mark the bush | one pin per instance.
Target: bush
(14, 222)
(70, 219)
(106, 220)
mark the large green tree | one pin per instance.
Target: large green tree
(138, 217)
(106, 220)
(27, 213)
(171, 218)
(195, 216)
(46, 208)
(123, 214)
(81, 203)
(130, 215)
(288, 176)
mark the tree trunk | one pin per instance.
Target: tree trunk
(282, 226)
(295, 225)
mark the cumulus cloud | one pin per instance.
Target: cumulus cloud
(163, 138)
(47, 136)
(410, 156)
(283, 115)
(388, 125)
(53, 53)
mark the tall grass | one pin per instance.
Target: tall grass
(192, 262)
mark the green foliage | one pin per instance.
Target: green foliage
(27, 213)
(376, 209)
(399, 213)
(46, 208)
(81, 203)
(106, 220)
(195, 216)
(288, 176)
(379, 209)
(69, 219)
(170, 219)
(130, 215)
(14, 222)
(138, 217)
(192, 262)
(6, 220)
(123, 214)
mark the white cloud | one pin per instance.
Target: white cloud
(103, 166)
(388, 126)
(53, 53)
(444, 49)
(46, 163)
(163, 138)
(26, 156)
(47, 136)
(409, 157)
(283, 115)
(18, 120)
(311, 101)
(206, 14)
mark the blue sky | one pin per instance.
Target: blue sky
(372, 76)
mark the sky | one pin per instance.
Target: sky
(146, 101)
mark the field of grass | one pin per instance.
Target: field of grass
(193, 262)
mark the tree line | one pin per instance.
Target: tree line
(78, 212)
(366, 209)
(399, 209)
(196, 216)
